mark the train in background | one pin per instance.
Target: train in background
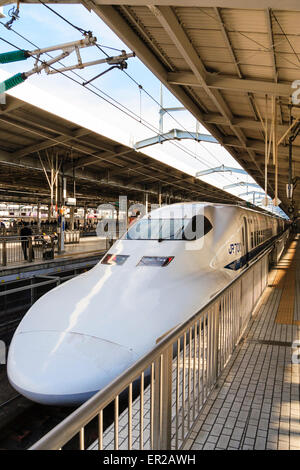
(81, 335)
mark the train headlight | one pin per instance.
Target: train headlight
(114, 259)
(155, 261)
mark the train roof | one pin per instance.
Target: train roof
(188, 209)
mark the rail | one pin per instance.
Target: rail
(174, 379)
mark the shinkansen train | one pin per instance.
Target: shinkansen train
(81, 335)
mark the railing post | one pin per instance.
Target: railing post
(253, 286)
(217, 332)
(163, 401)
(30, 254)
(52, 246)
(4, 253)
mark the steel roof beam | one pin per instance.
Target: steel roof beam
(250, 97)
(168, 20)
(51, 141)
(11, 104)
(242, 122)
(43, 145)
(227, 41)
(225, 82)
(97, 178)
(174, 181)
(127, 34)
(129, 168)
(88, 175)
(259, 146)
(272, 49)
(97, 158)
(117, 23)
(253, 5)
(37, 121)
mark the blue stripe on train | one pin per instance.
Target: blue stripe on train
(243, 260)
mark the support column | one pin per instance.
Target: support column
(146, 200)
(118, 222)
(38, 216)
(61, 217)
(159, 195)
(84, 217)
(72, 208)
(127, 214)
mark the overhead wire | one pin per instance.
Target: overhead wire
(175, 184)
(85, 32)
(141, 87)
(106, 97)
(116, 103)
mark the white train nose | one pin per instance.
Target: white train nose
(67, 368)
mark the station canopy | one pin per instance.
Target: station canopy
(232, 64)
(32, 141)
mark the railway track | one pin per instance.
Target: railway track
(33, 421)
(22, 422)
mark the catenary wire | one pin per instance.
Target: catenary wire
(139, 85)
(126, 110)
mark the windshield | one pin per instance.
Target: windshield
(169, 229)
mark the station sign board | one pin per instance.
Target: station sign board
(71, 201)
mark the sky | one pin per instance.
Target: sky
(60, 95)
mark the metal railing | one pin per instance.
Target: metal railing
(173, 380)
(72, 236)
(19, 249)
(16, 249)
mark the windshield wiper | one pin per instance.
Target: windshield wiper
(162, 239)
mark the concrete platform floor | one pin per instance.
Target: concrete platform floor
(257, 402)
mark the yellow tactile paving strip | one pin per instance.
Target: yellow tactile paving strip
(286, 280)
(284, 265)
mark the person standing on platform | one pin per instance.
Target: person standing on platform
(25, 232)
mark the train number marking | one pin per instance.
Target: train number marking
(234, 248)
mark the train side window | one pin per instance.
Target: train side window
(197, 228)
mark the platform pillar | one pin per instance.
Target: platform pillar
(72, 208)
(61, 219)
(84, 217)
(38, 216)
(159, 195)
(146, 199)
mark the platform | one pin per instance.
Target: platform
(257, 403)
(87, 252)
